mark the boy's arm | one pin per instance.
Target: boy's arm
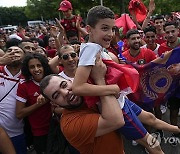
(82, 88)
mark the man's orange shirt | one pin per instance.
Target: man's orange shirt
(79, 127)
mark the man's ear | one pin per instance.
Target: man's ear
(88, 29)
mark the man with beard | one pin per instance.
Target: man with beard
(86, 129)
(173, 41)
(138, 55)
(10, 75)
(171, 33)
(135, 54)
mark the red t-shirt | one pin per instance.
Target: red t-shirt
(28, 92)
(145, 56)
(160, 38)
(51, 52)
(163, 48)
(70, 24)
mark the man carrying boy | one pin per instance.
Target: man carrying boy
(86, 129)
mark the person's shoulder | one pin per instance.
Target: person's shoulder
(146, 50)
(25, 83)
(126, 52)
(90, 46)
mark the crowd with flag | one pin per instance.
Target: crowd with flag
(145, 49)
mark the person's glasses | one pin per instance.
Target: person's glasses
(66, 56)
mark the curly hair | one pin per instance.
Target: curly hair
(43, 60)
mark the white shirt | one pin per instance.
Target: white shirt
(87, 56)
(8, 120)
(155, 50)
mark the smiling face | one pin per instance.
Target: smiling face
(150, 38)
(70, 64)
(171, 33)
(158, 23)
(36, 69)
(59, 91)
(103, 32)
(134, 41)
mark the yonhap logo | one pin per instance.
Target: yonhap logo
(154, 140)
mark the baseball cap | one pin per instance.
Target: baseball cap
(65, 5)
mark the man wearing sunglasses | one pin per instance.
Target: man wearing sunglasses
(68, 58)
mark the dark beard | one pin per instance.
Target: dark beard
(15, 64)
(72, 106)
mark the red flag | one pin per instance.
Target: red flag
(125, 22)
(125, 76)
(138, 7)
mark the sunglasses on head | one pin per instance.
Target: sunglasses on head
(66, 56)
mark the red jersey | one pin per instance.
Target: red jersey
(70, 24)
(164, 47)
(28, 92)
(51, 52)
(145, 56)
(160, 38)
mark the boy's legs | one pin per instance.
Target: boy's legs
(134, 130)
(149, 119)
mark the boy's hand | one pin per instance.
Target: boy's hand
(54, 31)
(78, 22)
(99, 70)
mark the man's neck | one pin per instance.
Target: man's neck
(152, 47)
(134, 52)
(174, 44)
(160, 32)
(14, 70)
(69, 17)
(70, 74)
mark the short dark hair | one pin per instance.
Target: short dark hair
(170, 23)
(157, 17)
(45, 82)
(98, 12)
(43, 60)
(150, 29)
(71, 33)
(12, 42)
(131, 32)
(63, 47)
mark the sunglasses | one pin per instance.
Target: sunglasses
(66, 56)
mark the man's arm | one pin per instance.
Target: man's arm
(111, 117)
(6, 146)
(150, 12)
(54, 64)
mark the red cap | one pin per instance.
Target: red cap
(65, 5)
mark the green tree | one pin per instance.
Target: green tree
(13, 16)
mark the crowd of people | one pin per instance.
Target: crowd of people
(70, 86)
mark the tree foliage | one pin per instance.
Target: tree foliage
(48, 9)
(12, 15)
